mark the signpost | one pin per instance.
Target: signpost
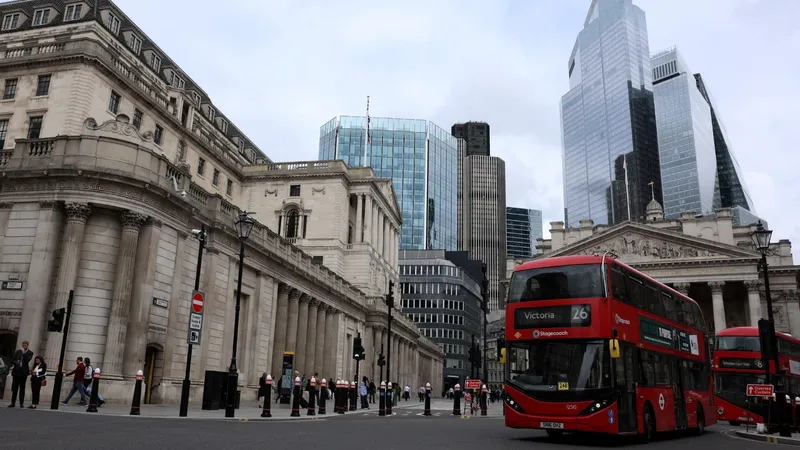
(760, 390)
(472, 384)
(196, 317)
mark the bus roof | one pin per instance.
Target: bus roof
(558, 261)
(752, 331)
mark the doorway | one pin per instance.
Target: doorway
(626, 376)
(150, 358)
(8, 343)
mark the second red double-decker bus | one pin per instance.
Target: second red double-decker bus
(594, 345)
(737, 363)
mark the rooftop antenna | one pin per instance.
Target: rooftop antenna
(367, 139)
(652, 185)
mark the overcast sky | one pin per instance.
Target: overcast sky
(279, 69)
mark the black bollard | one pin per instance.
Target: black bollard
(267, 411)
(95, 391)
(323, 396)
(457, 400)
(382, 400)
(427, 400)
(353, 396)
(137, 394)
(389, 400)
(341, 392)
(484, 400)
(312, 407)
(298, 392)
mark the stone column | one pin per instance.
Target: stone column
(793, 309)
(719, 306)
(311, 337)
(40, 273)
(319, 341)
(144, 275)
(69, 258)
(121, 299)
(754, 300)
(387, 237)
(177, 325)
(359, 235)
(302, 334)
(368, 219)
(332, 343)
(367, 343)
(279, 333)
(379, 225)
(291, 325)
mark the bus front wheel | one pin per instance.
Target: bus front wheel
(649, 425)
(701, 422)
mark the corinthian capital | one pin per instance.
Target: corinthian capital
(683, 288)
(294, 295)
(131, 220)
(77, 212)
(752, 285)
(314, 303)
(716, 286)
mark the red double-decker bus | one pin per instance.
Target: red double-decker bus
(737, 363)
(594, 345)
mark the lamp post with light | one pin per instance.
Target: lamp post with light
(761, 239)
(244, 225)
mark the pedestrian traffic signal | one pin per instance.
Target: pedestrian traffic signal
(502, 354)
(501, 343)
(390, 295)
(57, 324)
(381, 360)
(358, 349)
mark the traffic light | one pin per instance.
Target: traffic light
(381, 360)
(502, 356)
(501, 344)
(358, 349)
(390, 295)
(471, 354)
(477, 358)
(57, 324)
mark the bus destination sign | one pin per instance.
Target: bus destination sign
(562, 316)
(740, 363)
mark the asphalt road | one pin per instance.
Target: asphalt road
(23, 429)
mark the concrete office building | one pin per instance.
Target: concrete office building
(476, 135)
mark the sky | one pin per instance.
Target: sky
(279, 69)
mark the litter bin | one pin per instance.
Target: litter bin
(214, 390)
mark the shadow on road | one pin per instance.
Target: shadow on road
(606, 441)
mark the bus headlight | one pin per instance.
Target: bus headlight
(513, 404)
(596, 406)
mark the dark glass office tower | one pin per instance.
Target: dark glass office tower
(609, 140)
(523, 228)
(476, 135)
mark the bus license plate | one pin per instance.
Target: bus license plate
(552, 425)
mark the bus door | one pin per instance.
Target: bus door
(626, 367)
(677, 394)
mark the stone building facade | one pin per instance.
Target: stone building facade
(706, 257)
(110, 156)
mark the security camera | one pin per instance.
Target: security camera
(183, 194)
(196, 232)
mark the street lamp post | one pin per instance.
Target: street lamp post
(244, 225)
(184, 407)
(761, 238)
(485, 310)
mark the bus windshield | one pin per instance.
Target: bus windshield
(739, 343)
(553, 366)
(554, 283)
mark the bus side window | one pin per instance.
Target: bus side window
(653, 300)
(647, 368)
(619, 285)
(638, 296)
(668, 304)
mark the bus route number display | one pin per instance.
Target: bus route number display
(562, 316)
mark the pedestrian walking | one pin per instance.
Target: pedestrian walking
(19, 374)
(77, 382)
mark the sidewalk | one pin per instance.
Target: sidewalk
(771, 438)
(439, 407)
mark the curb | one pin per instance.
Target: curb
(768, 438)
(220, 419)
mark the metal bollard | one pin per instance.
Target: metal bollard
(267, 411)
(341, 392)
(312, 407)
(137, 394)
(95, 391)
(353, 396)
(323, 396)
(388, 398)
(484, 400)
(427, 400)
(298, 392)
(382, 400)
(457, 400)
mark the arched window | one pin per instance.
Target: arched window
(292, 223)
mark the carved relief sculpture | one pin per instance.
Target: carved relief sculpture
(317, 191)
(120, 125)
(638, 245)
(272, 192)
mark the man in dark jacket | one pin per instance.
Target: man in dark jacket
(19, 374)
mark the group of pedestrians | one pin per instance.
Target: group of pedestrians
(21, 369)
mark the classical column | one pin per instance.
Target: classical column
(330, 345)
(793, 309)
(719, 305)
(386, 237)
(69, 258)
(117, 330)
(279, 333)
(291, 325)
(176, 334)
(359, 234)
(311, 337)
(319, 340)
(300, 355)
(368, 219)
(754, 300)
(40, 272)
(379, 225)
(144, 275)
(366, 342)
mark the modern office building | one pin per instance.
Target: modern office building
(698, 171)
(444, 300)
(422, 161)
(495, 371)
(476, 135)
(484, 219)
(523, 228)
(610, 148)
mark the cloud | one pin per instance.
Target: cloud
(281, 68)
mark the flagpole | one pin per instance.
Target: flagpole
(627, 187)
(366, 138)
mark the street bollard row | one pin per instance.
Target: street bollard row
(136, 403)
(484, 400)
(267, 411)
(427, 400)
(297, 393)
(95, 391)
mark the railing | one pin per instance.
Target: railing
(198, 194)
(40, 147)
(5, 156)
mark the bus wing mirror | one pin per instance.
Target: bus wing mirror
(613, 348)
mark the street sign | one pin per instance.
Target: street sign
(472, 384)
(194, 337)
(760, 390)
(195, 321)
(198, 299)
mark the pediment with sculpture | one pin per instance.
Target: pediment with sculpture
(636, 243)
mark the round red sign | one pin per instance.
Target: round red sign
(197, 302)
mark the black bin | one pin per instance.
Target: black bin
(214, 387)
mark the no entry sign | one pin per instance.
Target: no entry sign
(198, 300)
(760, 390)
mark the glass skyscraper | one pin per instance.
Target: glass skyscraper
(422, 161)
(523, 228)
(610, 148)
